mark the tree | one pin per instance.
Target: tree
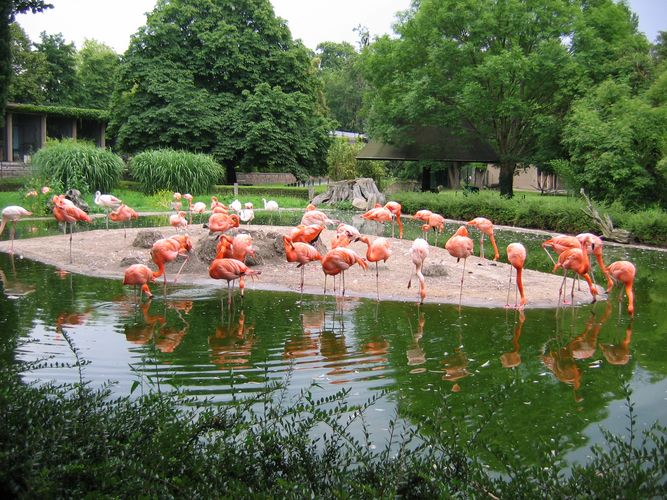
(96, 68)
(343, 83)
(499, 68)
(8, 11)
(618, 146)
(195, 74)
(659, 49)
(61, 85)
(29, 70)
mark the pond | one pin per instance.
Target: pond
(543, 377)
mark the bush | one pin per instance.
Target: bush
(79, 165)
(166, 169)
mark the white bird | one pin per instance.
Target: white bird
(418, 253)
(271, 206)
(12, 214)
(235, 205)
(106, 201)
(197, 208)
(247, 214)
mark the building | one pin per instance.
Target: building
(27, 127)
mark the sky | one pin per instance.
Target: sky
(313, 21)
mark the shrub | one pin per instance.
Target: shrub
(167, 169)
(79, 165)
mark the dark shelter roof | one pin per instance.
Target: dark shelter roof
(433, 143)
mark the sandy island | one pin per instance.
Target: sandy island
(106, 254)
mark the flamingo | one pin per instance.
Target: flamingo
(485, 226)
(378, 250)
(106, 201)
(176, 204)
(12, 214)
(461, 247)
(247, 213)
(178, 221)
(123, 214)
(197, 208)
(337, 261)
(395, 208)
(216, 204)
(316, 217)
(69, 214)
(189, 198)
(238, 247)
(222, 222)
(235, 205)
(303, 253)
(231, 270)
(422, 215)
(575, 259)
(271, 206)
(560, 244)
(139, 274)
(419, 252)
(624, 271)
(306, 234)
(345, 234)
(594, 247)
(516, 256)
(435, 222)
(166, 250)
(379, 215)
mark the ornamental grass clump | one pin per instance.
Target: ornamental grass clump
(79, 165)
(167, 169)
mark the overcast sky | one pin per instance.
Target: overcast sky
(313, 21)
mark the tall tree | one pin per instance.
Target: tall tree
(8, 11)
(498, 67)
(343, 83)
(193, 76)
(96, 68)
(61, 85)
(29, 70)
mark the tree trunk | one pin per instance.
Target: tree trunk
(426, 179)
(507, 179)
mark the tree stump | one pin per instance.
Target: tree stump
(362, 193)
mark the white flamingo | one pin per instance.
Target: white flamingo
(271, 206)
(12, 214)
(107, 201)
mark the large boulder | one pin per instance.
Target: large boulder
(362, 193)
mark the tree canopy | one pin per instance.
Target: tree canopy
(221, 77)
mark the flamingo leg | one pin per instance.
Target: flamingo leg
(71, 229)
(481, 246)
(229, 293)
(509, 285)
(461, 288)
(303, 269)
(550, 257)
(106, 213)
(11, 249)
(181, 268)
(377, 280)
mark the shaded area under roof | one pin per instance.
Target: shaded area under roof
(433, 143)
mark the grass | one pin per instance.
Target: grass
(72, 441)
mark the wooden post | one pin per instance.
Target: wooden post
(236, 189)
(311, 191)
(9, 138)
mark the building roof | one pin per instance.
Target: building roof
(433, 143)
(66, 111)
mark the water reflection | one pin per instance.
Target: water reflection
(155, 329)
(232, 343)
(618, 354)
(415, 353)
(12, 288)
(512, 358)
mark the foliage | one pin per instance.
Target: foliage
(66, 111)
(343, 84)
(79, 165)
(29, 69)
(60, 85)
(37, 193)
(615, 142)
(499, 66)
(96, 67)
(271, 445)
(166, 169)
(186, 84)
(343, 164)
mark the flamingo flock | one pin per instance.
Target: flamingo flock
(573, 253)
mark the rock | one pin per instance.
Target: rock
(368, 226)
(74, 195)
(146, 237)
(357, 191)
(433, 270)
(128, 261)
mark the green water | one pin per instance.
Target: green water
(555, 376)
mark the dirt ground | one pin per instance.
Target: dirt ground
(106, 253)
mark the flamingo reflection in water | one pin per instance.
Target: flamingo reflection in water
(415, 353)
(512, 358)
(305, 344)
(231, 344)
(618, 354)
(455, 366)
(562, 364)
(157, 329)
